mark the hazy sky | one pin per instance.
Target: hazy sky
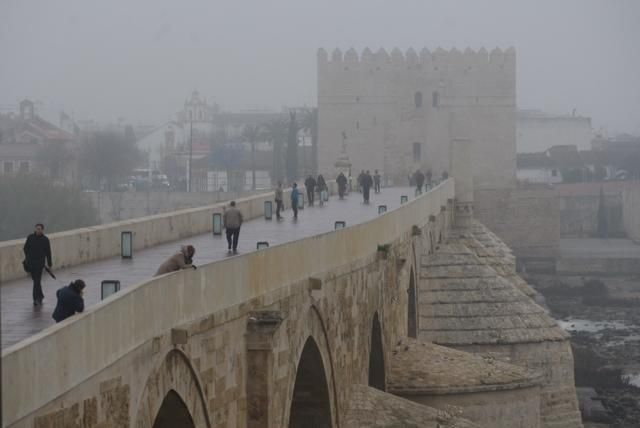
(140, 59)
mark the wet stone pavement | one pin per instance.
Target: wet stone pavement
(20, 319)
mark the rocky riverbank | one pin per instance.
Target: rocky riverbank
(603, 317)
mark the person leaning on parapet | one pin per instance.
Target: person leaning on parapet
(295, 194)
(37, 249)
(342, 184)
(376, 181)
(232, 220)
(70, 301)
(181, 260)
(310, 185)
(445, 175)
(279, 201)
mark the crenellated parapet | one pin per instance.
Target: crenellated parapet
(453, 58)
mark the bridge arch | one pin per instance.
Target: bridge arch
(377, 377)
(311, 403)
(173, 396)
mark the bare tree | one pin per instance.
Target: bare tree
(310, 122)
(276, 133)
(252, 133)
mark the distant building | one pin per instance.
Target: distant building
(537, 131)
(29, 143)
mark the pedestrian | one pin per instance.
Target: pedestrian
(181, 260)
(367, 182)
(419, 180)
(70, 301)
(310, 185)
(342, 184)
(322, 189)
(360, 178)
(37, 249)
(232, 221)
(376, 181)
(445, 175)
(295, 194)
(279, 201)
(429, 176)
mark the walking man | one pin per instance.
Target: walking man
(366, 184)
(342, 184)
(376, 181)
(279, 201)
(419, 179)
(232, 220)
(36, 250)
(310, 185)
(295, 194)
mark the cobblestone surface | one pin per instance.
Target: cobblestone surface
(20, 319)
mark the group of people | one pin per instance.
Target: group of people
(420, 179)
(366, 181)
(37, 259)
(312, 185)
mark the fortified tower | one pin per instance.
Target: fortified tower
(401, 111)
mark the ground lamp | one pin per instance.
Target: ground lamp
(217, 223)
(126, 245)
(109, 287)
(339, 225)
(382, 209)
(262, 245)
(403, 199)
(268, 210)
(325, 195)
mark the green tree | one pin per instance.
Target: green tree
(107, 158)
(27, 199)
(310, 122)
(292, 148)
(276, 133)
(252, 133)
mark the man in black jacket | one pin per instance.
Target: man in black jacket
(36, 250)
(70, 301)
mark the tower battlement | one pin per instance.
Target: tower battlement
(452, 59)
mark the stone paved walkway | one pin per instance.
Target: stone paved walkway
(20, 319)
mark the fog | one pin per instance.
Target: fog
(139, 60)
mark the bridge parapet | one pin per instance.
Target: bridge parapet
(84, 345)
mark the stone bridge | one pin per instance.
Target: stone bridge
(341, 329)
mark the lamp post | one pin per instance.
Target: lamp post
(190, 148)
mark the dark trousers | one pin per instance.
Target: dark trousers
(365, 193)
(279, 207)
(310, 195)
(232, 237)
(341, 190)
(294, 207)
(36, 276)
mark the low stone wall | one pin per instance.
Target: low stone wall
(601, 266)
(77, 246)
(631, 212)
(129, 322)
(118, 206)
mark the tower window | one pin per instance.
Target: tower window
(417, 99)
(435, 99)
(417, 152)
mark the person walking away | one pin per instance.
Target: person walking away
(37, 250)
(295, 194)
(310, 185)
(376, 182)
(322, 189)
(70, 301)
(342, 184)
(279, 201)
(181, 260)
(232, 221)
(419, 180)
(367, 182)
(429, 176)
(360, 178)
(445, 175)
